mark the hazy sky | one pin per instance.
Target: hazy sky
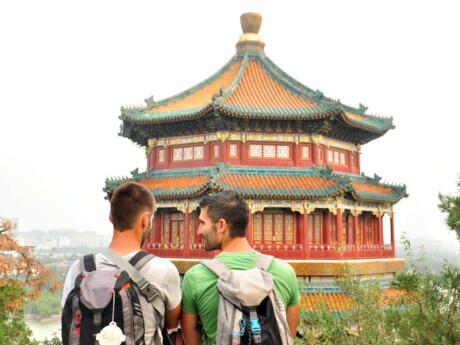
(66, 68)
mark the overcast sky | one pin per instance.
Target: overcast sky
(66, 68)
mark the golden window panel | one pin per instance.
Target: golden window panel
(305, 152)
(192, 228)
(198, 152)
(161, 155)
(314, 228)
(269, 151)
(289, 229)
(233, 151)
(268, 229)
(165, 229)
(178, 154)
(278, 233)
(215, 151)
(282, 151)
(257, 226)
(188, 153)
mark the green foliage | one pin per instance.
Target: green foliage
(48, 304)
(13, 328)
(55, 340)
(450, 204)
(21, 278)
(432, 307)
(425, 312)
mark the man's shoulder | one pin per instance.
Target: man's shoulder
(198, 270)
(163, 262)
(161, 267)
(279, 266)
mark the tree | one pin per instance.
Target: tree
(21, 279)
(450, 204)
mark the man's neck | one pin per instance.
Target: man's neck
(236, 244)
(124, 242)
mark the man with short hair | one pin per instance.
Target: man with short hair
(132, 208)
(222, 224)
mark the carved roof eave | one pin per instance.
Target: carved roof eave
(343, 184)
(140, 131)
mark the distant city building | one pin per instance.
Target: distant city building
(291, 151)
(66, 238)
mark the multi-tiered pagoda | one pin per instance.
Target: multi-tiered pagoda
(290, 151)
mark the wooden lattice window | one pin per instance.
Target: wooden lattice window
(215, 151)
(273, 227)
(315, 228)
(306, 152)
(233, 150)
(368, 229)
(353, 159)
(269, 151)
(347, 222)
(333, 227)
(161, 155)
(173, 228)
(187, 153)
(336, 157)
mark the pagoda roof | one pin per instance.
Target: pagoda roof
(262, 183)
(251, 86)
(341, 301)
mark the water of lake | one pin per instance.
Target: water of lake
(45, 329)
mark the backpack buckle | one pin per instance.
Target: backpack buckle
(255, 327)
(240, 333)
(149, 292)
(256, 330)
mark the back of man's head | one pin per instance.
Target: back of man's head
(229, 206)
(128, 201)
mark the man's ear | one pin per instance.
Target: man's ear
(145, 218)
(221, 225)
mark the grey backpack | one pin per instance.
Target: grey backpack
(250, 310)
(121, 295)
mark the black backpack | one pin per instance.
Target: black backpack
(122, 295)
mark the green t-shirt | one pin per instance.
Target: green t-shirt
(200, 296)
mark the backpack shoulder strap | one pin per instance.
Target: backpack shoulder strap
(264, 261)
(216, 266)
(140, 259)
(147, 289)
(88, 263)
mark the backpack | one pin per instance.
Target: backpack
(250, 310)
(121, 295)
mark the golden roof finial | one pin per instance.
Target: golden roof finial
(250, 41)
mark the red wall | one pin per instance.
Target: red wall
(318, 156)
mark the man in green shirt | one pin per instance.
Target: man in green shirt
(223, 221)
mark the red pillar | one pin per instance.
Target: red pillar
(358, 161)
(207, 153)
(168, 156)
(306, 249)
(249, 229)
(296, 154)
(392, 234)
(380, 230)
(187, 234)
(327, 229)
(355, 233)
(339, 227)
(315, 153)
(224, 151)
(157, 229)
(244, 153)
